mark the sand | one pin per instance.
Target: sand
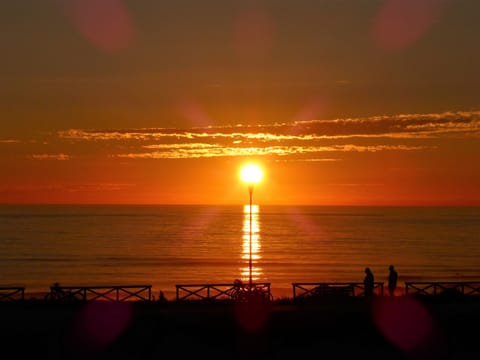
(394, 328)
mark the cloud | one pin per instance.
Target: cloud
(309, 160)
(60, 157)
(448, 124)
(355, 184)
(307, 137)
(66, 187)
(98, 187)
(177, 151)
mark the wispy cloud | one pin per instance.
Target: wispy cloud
(9, 141)
(309, 160)
(60, 157)
(356, 185)
(68, 187)
(99, 187)
(310, 137)
(388, 126)
(452, 124)
(177, 151)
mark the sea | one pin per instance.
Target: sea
(168, 245)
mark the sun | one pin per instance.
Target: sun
(251, 174)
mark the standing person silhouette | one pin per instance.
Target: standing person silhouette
(392, 280)
(368, 282)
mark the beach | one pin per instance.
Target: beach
(402, 327)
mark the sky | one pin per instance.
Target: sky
(341, 102)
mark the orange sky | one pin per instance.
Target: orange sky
(361, 102)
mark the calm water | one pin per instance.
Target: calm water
(168, 245)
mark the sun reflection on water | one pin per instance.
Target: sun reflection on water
(257, 271)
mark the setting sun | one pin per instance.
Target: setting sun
(251, 173)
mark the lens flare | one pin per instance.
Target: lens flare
(253, 34)
(106, 24)
(408, 324)
(400, 23)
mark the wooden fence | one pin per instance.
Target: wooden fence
(442, 288)
(106, 293)
(12, 293)
(315, 289)
(218, 291)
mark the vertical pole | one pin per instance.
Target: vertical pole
(250, 190)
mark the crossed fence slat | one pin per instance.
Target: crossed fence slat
(442, 287)
(222, 291)
(107, 293)
(471, 288)
(310, 289)
(12, 293)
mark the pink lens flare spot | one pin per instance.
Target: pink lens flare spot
(253, 34)
(253, 315)
(404, 321)
(105, 23)
(99, 323)
(400, 23)
(312, 109)
(194, 112)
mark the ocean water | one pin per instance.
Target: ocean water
(164, 246)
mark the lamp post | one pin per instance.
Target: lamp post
(251, 174)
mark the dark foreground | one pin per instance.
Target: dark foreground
(383, 328)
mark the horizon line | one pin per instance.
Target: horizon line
(472, 204)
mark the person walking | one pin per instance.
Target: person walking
(392, 280)
(368, 282)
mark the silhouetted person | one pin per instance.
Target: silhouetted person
(56, 289)
(392, 280)
(161, 297)
(368, 282)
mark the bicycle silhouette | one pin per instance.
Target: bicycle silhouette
(243, 292)
(57, 293)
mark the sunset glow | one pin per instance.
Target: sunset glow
(141, 103)
(275, 162)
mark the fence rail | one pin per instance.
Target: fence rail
(12, 293)
(106, 293)
(316, 289)
(442, 288)
(218, 291)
